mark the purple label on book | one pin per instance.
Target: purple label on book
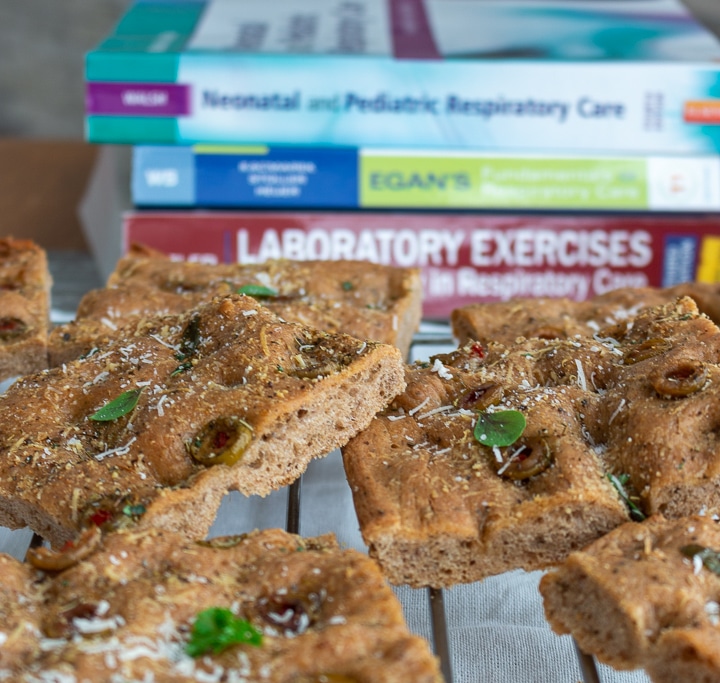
(411, 32)
(143, 99)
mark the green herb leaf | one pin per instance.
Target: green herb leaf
(181, 368)
(215, 629)
(347, 286)
(619, 481)
(190, 339)
(501, 428)
(134, 510)
(257, 291)
(89, 353)
(710, 558)
(118, 407)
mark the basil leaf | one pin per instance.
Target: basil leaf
(118, 407)
(501, 428)
(710, 558)
(619, 481)
(215, 629)
(257, 291)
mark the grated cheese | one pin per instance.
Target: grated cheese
(417, 408)
(617, 410)
(441, 370)
(582, 382)
(120, 450)
(434, 411)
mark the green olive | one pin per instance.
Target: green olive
(223, 542)
(481, 397)
(325, 678)
(682, 379)
(56, 560)
(548, 332)
(223, 440)
(526, 460)
(646, 349)
(11, 328)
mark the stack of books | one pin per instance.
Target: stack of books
(506, 147)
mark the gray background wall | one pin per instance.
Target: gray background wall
(42, 43)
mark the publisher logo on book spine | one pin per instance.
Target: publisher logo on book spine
(138, 99)
(706, 112)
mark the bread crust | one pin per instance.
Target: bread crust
(434, 509)
(505, 321)
(362, 299)
(638, 401)
(25, 283)
(126, 612)
(635, 599)
(227, 378)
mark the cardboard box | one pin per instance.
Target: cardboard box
(42, 182)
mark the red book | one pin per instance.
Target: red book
(464, 257)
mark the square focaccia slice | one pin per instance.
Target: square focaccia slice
(656, 423)
(442, 497)
(154, 606)
(25, 283)
(635, 406)
(645, 595)
(505, 321)
(163, 421)
(362, 299)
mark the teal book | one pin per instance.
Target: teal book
(630, 77)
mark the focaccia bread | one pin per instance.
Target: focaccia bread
(624, 422)
(295, 611)
(364, 300)
(24, 307)
(646, 595)
(436, 507)
(505, 321)
(166, 419)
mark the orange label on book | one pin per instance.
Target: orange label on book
(702, 111)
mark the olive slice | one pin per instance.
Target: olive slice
(325, 678)
(223, 542)
(11, 328)
(223, 440)
(548, 332)
(62, 624)
(291, 616)
(57, 560)
(646, 349)
(526, 460)
(481, 397)
(682, 379)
